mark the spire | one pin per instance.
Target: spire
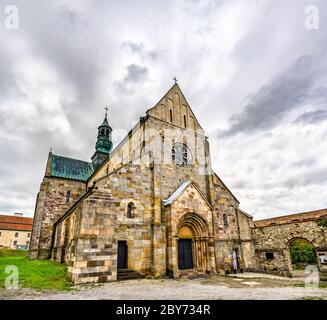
(103, 145)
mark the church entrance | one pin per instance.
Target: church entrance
(122, 255)
(192, 244)
(185, 256)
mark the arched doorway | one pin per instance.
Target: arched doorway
(185, 248)
(303, 254)
(192, 244)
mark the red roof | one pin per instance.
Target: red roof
(15, 223)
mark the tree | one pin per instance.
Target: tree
(322, 222)
(303, 252)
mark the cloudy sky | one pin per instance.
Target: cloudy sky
(254, 75)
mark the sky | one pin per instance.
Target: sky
(254, 73)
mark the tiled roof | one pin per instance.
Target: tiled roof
(69, 168)
(15, 223)
(292, 218)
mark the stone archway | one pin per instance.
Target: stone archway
(301, 253)
(192, 234)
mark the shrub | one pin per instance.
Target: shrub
(303, 253)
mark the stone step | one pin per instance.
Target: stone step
(127, 274)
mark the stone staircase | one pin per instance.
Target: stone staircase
(128, 274)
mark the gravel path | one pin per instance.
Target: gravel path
(167, 289)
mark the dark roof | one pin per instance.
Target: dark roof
(69, 168)
(105, 122)
(15, 223)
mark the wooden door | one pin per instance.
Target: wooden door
(122, 255)
(185, 256)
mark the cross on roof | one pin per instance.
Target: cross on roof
(175, 79)
(106, 108)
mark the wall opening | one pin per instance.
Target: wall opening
(303, 254)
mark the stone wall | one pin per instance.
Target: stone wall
(273, 237)
(50, 205)
(174, 105)
(246, 225)
(236, 235)
(92, 250)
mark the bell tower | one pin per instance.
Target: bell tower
(103, 145)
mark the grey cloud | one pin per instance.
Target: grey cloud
(306, 162)
(135, 74)
(299, 84)
(240, 184)
(312, 117)
(133, 47)
(316, 177)
(140, 50)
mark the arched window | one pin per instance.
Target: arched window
(102, 132)
(181, 154)
(130, 210)
(171, 115)
(225, 220)
(107, 132)
(184, 121)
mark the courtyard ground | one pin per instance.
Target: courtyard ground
(247, 286)
(46, 280)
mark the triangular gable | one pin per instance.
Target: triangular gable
(175, 102)
(180, 190)
(224, 185)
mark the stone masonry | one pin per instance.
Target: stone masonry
(276, 234)
(154, 206)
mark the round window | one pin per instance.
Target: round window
(181, 154)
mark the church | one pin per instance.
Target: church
(152, 206)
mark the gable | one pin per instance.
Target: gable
(174, 108)
(222, 188)
(186, 191)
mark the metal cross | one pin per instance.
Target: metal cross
(175, 79)
(106, 108)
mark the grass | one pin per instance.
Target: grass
(12, 253)
(38, 274)
(322, 285)
(311, 298)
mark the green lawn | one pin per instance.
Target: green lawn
(40, 274)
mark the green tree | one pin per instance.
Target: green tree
(322, 223)
(303, 252)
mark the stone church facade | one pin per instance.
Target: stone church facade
(153, 205)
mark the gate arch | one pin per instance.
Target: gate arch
(289, 245)
(193, 227)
